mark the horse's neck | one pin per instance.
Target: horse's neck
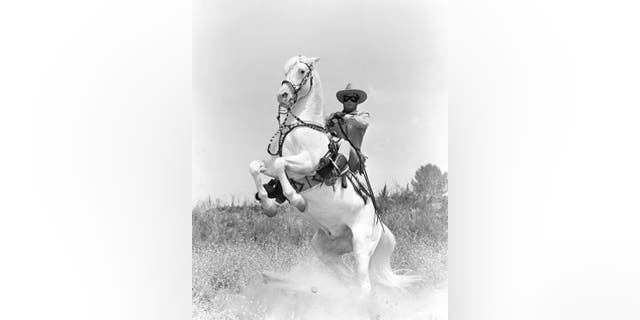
(310, 108)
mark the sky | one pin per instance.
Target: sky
(394, 50)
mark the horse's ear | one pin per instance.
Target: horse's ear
(311, 61)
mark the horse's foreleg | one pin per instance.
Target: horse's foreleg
(300, 163)
(269, 205)
(294, 197)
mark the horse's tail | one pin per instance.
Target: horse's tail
(380, 266)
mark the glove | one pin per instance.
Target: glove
(333, 118)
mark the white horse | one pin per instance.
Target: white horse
(345, 222)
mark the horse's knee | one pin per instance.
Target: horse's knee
(255, 167)
(289, 193)
(362, 261)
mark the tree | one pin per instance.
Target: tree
(430, 186)
(430, 181)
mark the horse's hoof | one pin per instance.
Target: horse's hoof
(299, 202)
(270, 212)
(301, 206)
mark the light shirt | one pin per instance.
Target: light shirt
(354, 125)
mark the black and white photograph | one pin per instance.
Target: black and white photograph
(307, 159)
(320, 178)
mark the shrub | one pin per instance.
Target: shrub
(416, 212)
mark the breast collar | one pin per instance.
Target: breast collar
(284, 129)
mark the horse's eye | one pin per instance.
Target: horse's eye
(302, 71)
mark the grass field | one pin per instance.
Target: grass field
(232, 244)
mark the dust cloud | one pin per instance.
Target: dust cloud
(310, 292)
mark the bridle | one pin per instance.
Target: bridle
(296, 89)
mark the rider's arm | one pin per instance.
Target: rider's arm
(359, 119)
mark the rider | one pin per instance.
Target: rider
(350, 123)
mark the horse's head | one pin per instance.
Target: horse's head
(298, 79)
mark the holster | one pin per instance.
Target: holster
(331, 166)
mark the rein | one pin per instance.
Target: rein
(364, 172)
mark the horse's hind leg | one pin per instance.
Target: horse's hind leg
(365, 240)
(329, 251)
(269, 205)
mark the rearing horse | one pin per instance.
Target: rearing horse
(345, 221)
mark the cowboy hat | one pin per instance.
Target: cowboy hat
(362, 96)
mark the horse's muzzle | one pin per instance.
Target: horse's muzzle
(285, 95)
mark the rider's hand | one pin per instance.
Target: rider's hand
(334, 117)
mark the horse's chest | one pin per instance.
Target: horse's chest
(329, 209)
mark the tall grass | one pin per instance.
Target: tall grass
(234, 224)
(233, 243)
(408, 215)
